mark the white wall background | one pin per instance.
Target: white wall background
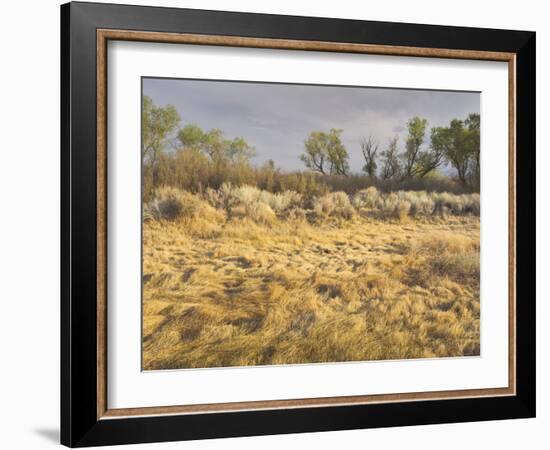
(29, 224)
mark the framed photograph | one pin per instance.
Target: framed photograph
(276, 224)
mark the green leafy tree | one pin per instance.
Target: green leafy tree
(337, 153)
(413, 154)
(213, 144)
(459, 145)
(325, 153)
(440, 140)
(369, 148)
(417, 162)
(191, 136)
(459, 153)
(238, 151)
(316, 154)
(158, 123)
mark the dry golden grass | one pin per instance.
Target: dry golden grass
(232, 291)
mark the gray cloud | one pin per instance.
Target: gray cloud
(276, 118)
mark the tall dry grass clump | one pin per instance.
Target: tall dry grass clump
(449, 255)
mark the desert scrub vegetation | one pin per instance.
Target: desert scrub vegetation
(262, 206)
(241, 276)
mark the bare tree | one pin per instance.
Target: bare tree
(390, 158)
(369, 148)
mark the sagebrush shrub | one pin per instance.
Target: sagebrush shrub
(334, 204)
(402, 209)
(281, 201)
(261, 213)
(170, 203)
(296, 214)
(246, 194)
(366, 198)
(424, 204)
(390, 202)
(230, 197)
(473, 204)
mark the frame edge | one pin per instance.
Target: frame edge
(77, 429)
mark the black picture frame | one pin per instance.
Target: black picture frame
(80, 425)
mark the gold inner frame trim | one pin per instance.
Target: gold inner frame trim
(103, 36)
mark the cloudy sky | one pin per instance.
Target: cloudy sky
(277, 118)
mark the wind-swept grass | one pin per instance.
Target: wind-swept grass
(239, 276)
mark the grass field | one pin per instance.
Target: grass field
(229, 280)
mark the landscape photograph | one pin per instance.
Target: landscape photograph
(300, 224)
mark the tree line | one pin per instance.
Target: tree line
(206, 158)
(457, 144)
(160, 123)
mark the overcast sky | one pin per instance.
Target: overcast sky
(277, 118)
